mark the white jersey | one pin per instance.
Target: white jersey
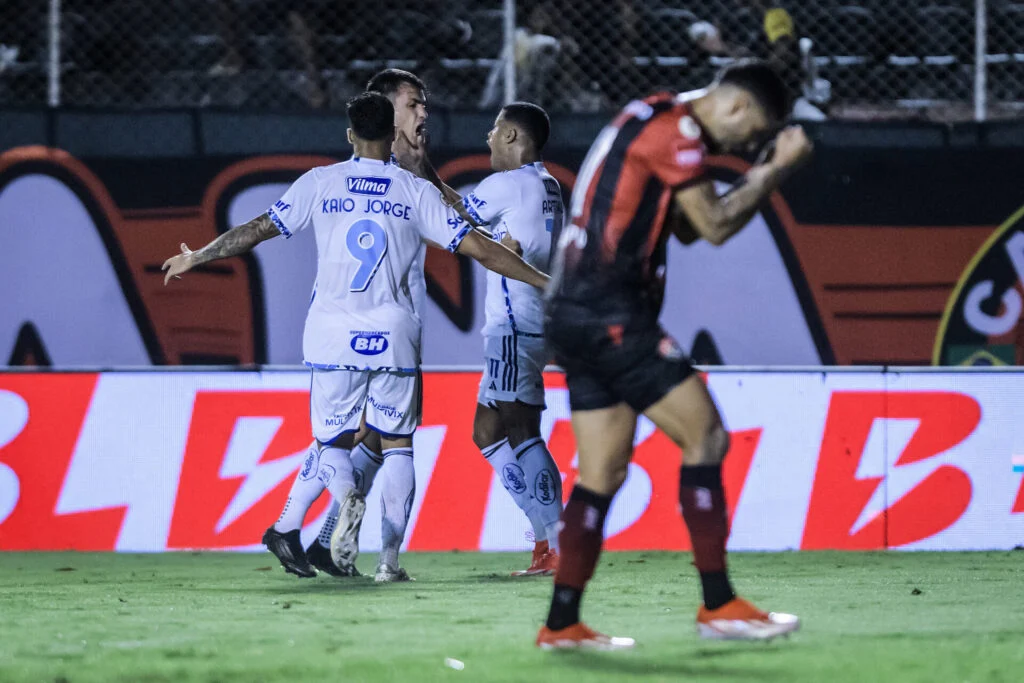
(525, 203)
(370, 219)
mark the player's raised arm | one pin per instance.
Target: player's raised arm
(715, 218)
(499, 258)
(235, 241)
(292, 213)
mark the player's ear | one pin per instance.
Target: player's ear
(350, 137)
(741, 103)
(511, 134)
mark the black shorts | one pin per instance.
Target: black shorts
(635, 363)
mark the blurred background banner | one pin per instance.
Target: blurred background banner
(922, 265)
(945, 59)
(844, 460)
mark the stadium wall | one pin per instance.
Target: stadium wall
(862, 459)
(900, 244)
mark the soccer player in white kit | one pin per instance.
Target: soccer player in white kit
(408, 94)
(521, 202)
(362, 334)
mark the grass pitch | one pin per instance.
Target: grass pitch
(75, 617)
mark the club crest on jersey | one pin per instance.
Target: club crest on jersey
(371, 186)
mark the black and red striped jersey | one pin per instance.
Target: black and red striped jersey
(612, 247)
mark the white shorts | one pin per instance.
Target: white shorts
(514, 370)
(339, 398)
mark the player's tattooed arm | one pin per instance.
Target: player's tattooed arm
(715, 218)
(235, 241)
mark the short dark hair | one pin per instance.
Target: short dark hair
(371, 116)
(531, 119)
(388, 81)
(760, 80)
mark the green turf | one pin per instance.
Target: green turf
(930, 617)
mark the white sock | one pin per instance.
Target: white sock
(512, 476)
(545, 483)
(366, 463)
(396, 496)
(336, 471)
(330, 522)
(305, 490)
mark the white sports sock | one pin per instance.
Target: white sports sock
(366, 464)
(397, 492)
(545, 484)
(512, 476)
(305, 490)
(330, 522)
(336, 471)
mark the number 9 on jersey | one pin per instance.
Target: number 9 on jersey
(367, 243)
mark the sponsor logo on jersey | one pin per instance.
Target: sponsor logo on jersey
(984, 319)
(544, 487)
(369, 343)
(390, 411)
(372, 186)
(342, 420)
(455, 220)
(281, 206)
(513, 477)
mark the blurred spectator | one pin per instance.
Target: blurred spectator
(537, 53)
(780, 44)
(547, 58)
(367, 30)
(21, 25)
(792, 56)
(235, 30)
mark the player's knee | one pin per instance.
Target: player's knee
(616, 476)
(714, 446)
(520, 434)
(485, 434)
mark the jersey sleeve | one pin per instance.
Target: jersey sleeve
(438, 222)
(673, 151)
(494, 195)
(294, 210)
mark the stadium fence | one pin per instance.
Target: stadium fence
(942, 59)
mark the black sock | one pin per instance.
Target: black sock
(565, 607)
(717, 589)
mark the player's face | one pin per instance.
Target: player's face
(410, 111)
(747, 128)
(494, 141)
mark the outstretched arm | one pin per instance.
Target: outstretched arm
(235, 241)
(502, 260)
